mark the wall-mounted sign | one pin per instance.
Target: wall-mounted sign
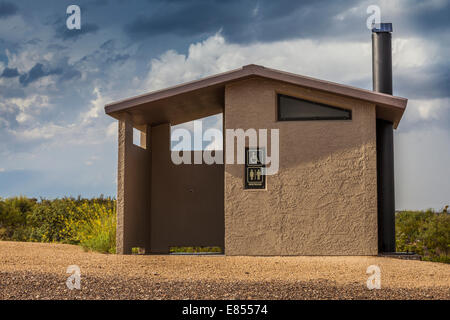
(254, 178)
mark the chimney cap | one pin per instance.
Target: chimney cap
(382, 27)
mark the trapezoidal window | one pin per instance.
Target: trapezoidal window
(290, 108)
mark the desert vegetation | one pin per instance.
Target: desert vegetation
(424, 232)
(91, 223)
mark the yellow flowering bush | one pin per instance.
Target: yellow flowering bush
(88, 222)
(92, 225)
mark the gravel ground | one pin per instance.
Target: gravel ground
(38, 271)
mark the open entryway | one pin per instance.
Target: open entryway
(187, 200)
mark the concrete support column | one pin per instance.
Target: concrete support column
(125, 138)
(133, 183)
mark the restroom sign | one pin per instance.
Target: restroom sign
(254, 159)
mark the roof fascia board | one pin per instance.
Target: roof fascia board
(255, 70)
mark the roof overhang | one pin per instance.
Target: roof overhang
(205, 97)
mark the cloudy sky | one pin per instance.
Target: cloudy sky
(55, 139)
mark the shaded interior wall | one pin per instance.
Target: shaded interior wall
(132, 190)
(187, 206)
(323, 200)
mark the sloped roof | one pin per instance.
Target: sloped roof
(388, 107)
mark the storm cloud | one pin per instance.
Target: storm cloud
(9, 73)
(38, 71)
(243, 21)
(7, 9)
(65, 34)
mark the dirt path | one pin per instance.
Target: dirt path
(38, 271)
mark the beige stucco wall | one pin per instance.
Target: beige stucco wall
(133, 186)
(323, 201)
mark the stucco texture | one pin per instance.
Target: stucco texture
(323, 200)
(134, 164)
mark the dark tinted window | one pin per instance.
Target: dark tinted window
(290, 108)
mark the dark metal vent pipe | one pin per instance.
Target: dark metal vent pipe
(382, 58)
(382, 82)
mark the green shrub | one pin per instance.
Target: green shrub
(47, 221)
(14, 213)
(195, 250)
(424, 232)
(96, 230)
(88, 222)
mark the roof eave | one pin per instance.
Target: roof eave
(381, 99)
